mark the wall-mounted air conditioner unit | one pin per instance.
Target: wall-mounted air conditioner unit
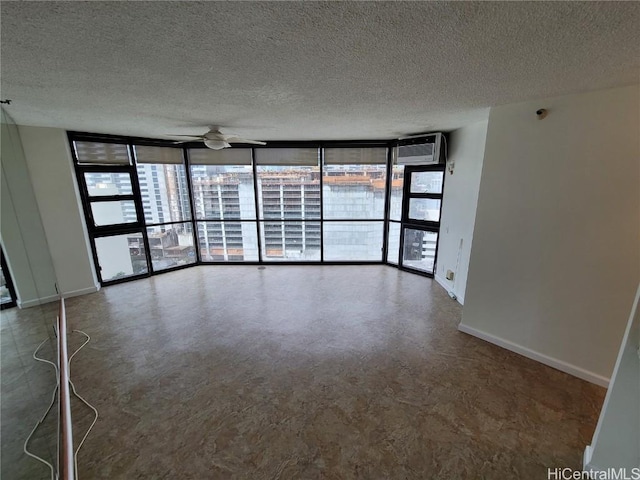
(421, 150)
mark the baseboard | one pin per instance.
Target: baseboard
(53, 298)
(38, 301)
(446, 284)
(589, 467)
(586, 458)
(82, 291)
(443, 281)
(539, 357)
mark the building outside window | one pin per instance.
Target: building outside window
(245, 205)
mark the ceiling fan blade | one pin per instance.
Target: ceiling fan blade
(233, 139)
(190, 136)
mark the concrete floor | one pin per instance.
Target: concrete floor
(291, 372)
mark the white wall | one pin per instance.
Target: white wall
(555, 257)
(22, 233)
(466, 151)
(616, 441)
(50, 166)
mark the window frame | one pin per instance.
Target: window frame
(426, 225)
(141, 226)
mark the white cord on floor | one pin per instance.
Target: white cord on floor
(53, 400)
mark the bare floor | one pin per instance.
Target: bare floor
(290, 372)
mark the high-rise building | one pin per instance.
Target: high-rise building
(223, 196)
(289, 203)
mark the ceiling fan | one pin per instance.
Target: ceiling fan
(216, 140)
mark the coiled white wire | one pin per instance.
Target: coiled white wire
(53, 399)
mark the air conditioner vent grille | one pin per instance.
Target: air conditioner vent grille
(425, 149)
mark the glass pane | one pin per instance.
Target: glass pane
(356, 241)
(100, 184)
(290, 241)
(419, 249)
(424, 209)
(228, 241)
(354, 191)
(289, 192)
(121, 256)
(171, 245)
(426, 182)
(113, 213)
(394, 243)
(397, 185)
(165, 196)
(223, 192)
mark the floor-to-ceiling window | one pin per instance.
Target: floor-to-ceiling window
(225, 206)
(396, 191)
(354, 194)
(420, 219)
(166, 204)
(289, 204)
(113, 210)
(155, 206)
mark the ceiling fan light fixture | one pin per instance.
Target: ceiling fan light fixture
(216, 144)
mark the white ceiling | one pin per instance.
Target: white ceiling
(303, 70)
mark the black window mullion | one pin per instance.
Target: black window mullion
(84, 194)
(259, 228)
(179, 222)
(104, 168)
(387, 204)
(321, 205)
(106, 230)
(442, 167)
(135, 186)
(421, 224)
(123, 229)
(401, 246)
(111, 198)
(406, 187)
(106, 283)
(436, 196)
(192, 204)
(331, 220)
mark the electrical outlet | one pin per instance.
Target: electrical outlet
(449, 275)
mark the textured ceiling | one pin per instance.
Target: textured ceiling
(303, 70)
